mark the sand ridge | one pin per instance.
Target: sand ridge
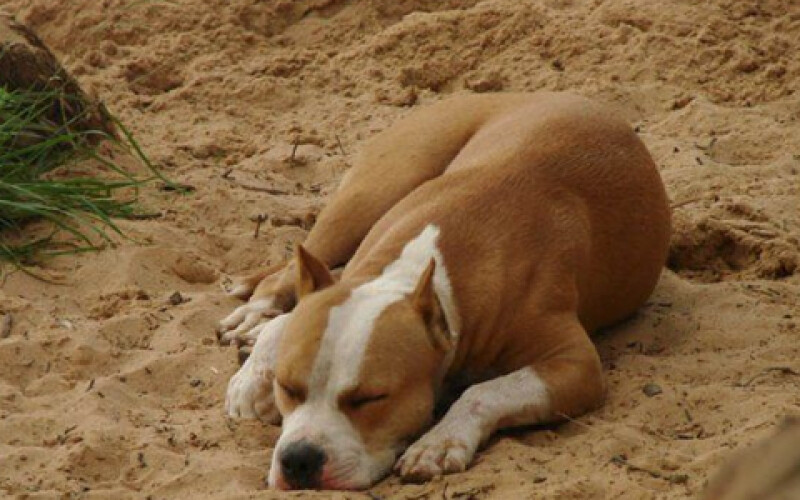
(110, 390)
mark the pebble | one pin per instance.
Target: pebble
(651, 390)
(176, 299)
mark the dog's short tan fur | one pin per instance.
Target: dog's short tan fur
(552, 221)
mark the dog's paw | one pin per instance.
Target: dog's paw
(435, 454)
(250, 395)
(250, 389)
(244, 323)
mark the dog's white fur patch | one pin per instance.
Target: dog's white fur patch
(358, 314)
(249, 392)
(339, 359)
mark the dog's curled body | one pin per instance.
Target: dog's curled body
(483, 239)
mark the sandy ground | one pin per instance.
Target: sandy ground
(108, 390)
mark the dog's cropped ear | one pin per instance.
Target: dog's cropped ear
(427, 305)
(312, 274)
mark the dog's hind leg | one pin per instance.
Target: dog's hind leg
(391, 165)
(245, 287)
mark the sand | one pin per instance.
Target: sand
(110, 390)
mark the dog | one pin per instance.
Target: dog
(483, 239)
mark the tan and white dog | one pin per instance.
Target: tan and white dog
(483, 239)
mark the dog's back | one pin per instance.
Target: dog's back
(551, 188)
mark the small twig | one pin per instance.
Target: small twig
(686, 202)
(785, 370)
(263, 189)
(146, 216)
(62, 438)
(259, 220)
(707, 147)
(5, 325)
(294, 149)
(621, 460)
(260, 189)
(227, 174)
(176, 186)
(339, 142)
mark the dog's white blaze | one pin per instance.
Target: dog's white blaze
(350, 324)
(342, 349)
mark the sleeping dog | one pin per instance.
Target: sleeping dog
(483, 239)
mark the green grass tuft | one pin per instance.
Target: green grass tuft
(36, 182)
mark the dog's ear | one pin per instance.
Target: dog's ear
(312, 274)
(427, 305)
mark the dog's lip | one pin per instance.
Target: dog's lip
(337, 486)
(332, 483)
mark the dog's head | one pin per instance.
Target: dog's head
(356, 377)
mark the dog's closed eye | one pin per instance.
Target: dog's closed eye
(359, 401)
(296, 394)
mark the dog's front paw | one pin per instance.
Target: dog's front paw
(243, 324)
(250, 395)
(435, 454)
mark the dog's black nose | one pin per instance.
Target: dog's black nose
(301, 463)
